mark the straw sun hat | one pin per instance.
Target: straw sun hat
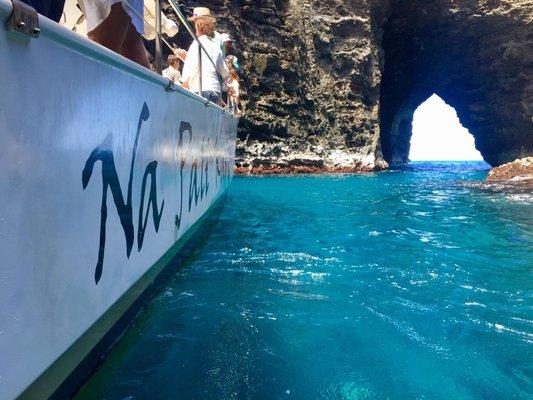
(198, 12)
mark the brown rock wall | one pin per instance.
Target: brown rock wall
(311, 75)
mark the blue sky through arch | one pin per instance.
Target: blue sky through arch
(438, 135)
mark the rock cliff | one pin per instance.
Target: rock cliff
(332, 85)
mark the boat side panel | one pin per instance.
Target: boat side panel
(79, 224)
(74, 366)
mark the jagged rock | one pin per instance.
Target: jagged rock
(518, 172)
(273, 158)
(331, 77)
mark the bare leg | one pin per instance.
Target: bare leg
(112, 31)
(133, 48)
(118, 34)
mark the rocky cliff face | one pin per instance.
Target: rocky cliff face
(332, 85)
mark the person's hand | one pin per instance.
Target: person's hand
(181, 53)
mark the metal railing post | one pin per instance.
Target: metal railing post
(158, 52)
(200, 69)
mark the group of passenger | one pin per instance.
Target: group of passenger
(219, 77)
(119, 26)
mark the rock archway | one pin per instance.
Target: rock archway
(476, 56)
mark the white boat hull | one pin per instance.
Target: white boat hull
(103, 176)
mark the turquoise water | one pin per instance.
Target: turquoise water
(413, 284)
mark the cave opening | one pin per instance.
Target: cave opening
(428, 49)
(438, 135)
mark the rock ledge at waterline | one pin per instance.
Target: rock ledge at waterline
(261, 159)
(516, 173)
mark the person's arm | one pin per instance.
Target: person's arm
(231, 91)
(236, 89)
(181, 53)
(190, 64)
(221, 66)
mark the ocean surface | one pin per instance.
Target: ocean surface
(409, 284)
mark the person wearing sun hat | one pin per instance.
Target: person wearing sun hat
(210, 87)
(199, 12)
(224, 41)
(235, 62)
(219, 38)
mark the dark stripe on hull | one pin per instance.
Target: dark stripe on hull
(73, 368)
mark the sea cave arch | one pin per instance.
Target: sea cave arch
(476, 62)
(438, 135)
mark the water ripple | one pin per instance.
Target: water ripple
(409, 284)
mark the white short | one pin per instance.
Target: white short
(97, 10)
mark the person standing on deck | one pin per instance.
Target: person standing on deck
(211, 87)
(225, 42)
(232, 84)
(222, 40)
(173, 71)
(117, 25)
